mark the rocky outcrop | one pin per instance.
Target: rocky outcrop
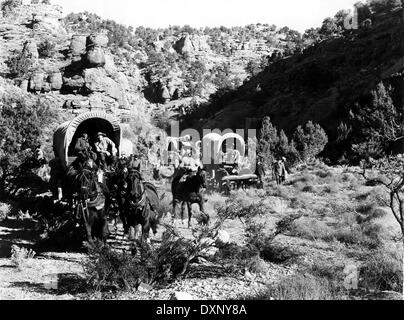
(95, 57)
(36, 82)
(96, 80)
(97, 40)
(191, 44)
(78, 45)
(56, 81)
(30, 51)
(73, 84)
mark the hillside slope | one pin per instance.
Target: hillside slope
(321, 84)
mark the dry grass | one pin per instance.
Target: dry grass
(21, 257)
(383, 270)
(303, 287)
(313, 229)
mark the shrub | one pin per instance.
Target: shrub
(303, 287)
(312, 229)
(277, 253)
(330, 188)
(21, 256)
(150, 264)
(19, 66)
(366, 235)
(262, 243)
(377, 195)
(8, 6)
(241, 208)
(47, 49)
(306, 178)
(278, 191)
(368, 212)
(309, 188)
(5, 210)
(301, 201)
(348, 177)
(329, 270)
(108, 269)
(324, 173)
(365, 208)
(257, 265)
(383, 271)
(21, 130)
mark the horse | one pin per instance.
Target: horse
(140, 204)
(89, 205)
(189, 192)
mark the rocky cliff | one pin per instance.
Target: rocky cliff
(76, 72)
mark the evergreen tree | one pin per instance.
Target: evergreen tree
(310, 140)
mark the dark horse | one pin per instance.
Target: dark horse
(89, 205)
(189, 192)
(140, 204)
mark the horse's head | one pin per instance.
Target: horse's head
(202, 177)
(135, 185)
(87, 184)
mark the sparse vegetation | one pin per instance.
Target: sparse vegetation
(303, 287)
(21, 256)
(383, 271)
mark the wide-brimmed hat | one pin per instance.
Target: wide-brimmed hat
(101, 134)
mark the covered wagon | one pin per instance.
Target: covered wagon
(66, 135)
(224, 157)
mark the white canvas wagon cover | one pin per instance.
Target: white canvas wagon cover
(91, 122)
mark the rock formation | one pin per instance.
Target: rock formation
(191, 44)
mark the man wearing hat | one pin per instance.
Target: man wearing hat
(83, 148)
(105, 149)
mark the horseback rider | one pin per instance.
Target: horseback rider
(105, 148)
(134, 162)
(188, 165)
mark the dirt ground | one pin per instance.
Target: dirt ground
(59, 275)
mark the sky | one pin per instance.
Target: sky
(296, 14)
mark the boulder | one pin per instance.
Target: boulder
(222, 238)
(73, 83)
(122, 80)
(184, 45)
(76, 104)
(95, 57)
(78, 45)
(24, 85)
(100, 40)
(165, 94)
(192, 44)
(96, 80)
(101, 101)
(181, 295)
(109, 65)
(46, 87)
(144, 287)
(56, 81)
(36, 82)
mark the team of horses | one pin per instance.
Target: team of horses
(96, 196)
